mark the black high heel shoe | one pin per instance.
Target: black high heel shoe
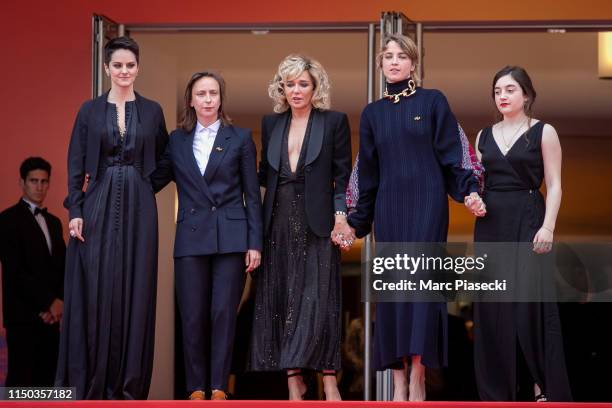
(296, 374)
(541, 398)
(331, 374)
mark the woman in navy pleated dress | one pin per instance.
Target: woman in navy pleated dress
(411, 157)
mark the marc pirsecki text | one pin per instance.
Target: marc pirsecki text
(497, 285)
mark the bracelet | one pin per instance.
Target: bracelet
(340, 213)
(548, 229)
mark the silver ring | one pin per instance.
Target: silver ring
(72, 233)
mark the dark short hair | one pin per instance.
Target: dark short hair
(34, 163)
(520, 75)
(189, 117)
(121, 43)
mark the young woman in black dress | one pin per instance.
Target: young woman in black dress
(518, 153)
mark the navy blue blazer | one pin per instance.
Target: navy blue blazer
(219, 212)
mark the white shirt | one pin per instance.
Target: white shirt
(203, 142)
(40, 219)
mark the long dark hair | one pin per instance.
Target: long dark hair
(522, 78)
(189, 117)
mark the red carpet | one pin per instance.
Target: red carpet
(302, 404)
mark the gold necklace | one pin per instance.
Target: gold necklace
(405, 93)
(509, 145)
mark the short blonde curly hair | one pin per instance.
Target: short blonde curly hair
(291, 67)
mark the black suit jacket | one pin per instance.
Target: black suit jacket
(327, 166)
(87, 133)
(219, 212)
(31, 277)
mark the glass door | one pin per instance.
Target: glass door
(103, 29)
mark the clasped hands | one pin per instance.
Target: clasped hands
(343, 234)
(475, 204)
(54, 314)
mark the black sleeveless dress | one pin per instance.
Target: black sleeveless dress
(505, 333)
(297, 320)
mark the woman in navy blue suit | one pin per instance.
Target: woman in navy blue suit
(410, 160)
(218, 231)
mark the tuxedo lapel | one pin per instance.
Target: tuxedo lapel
(34, 232)
(276, 141)
(191, 162)
(54, 234)
(315, 140)
(222, 142)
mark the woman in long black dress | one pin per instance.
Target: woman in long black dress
(304, 169)
(108, 330)
(518, 153)
(411, 158)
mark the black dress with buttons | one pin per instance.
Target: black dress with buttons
(506, 333)
(111, 278)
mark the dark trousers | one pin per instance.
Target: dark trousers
(32, 355)
(208, 291)
(514, 341)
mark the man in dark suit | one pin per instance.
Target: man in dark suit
(32, 252)
(218, 229)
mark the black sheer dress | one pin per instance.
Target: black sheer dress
(297, 320)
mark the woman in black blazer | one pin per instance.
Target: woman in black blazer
(304, 170)
(108, 330)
